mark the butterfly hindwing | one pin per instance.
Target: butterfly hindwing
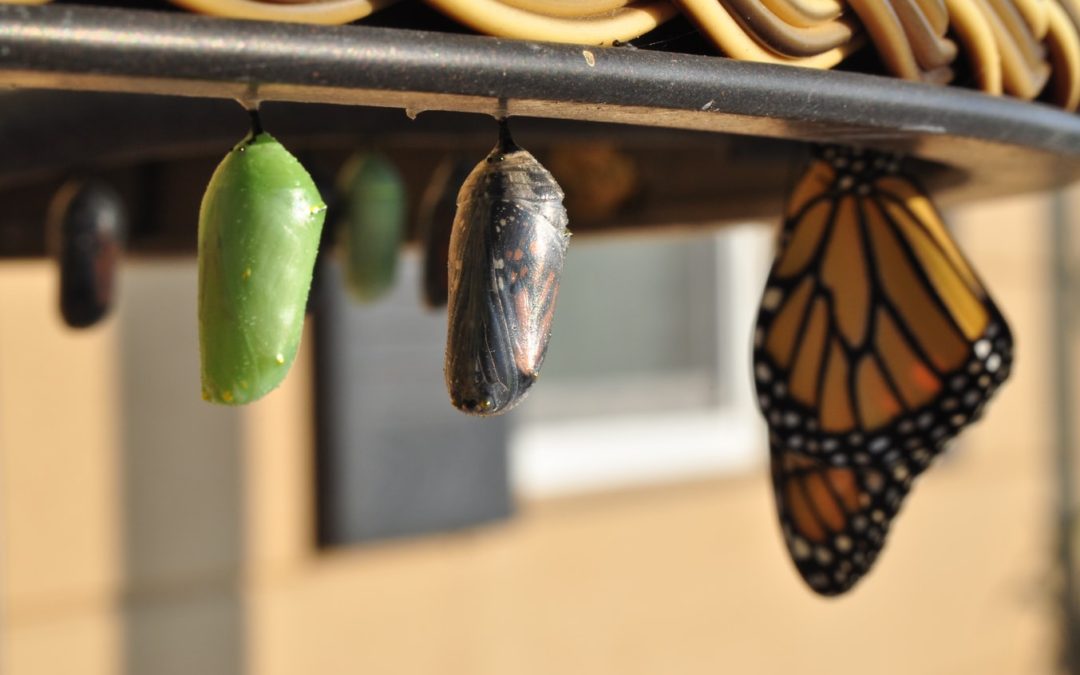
(835, 518)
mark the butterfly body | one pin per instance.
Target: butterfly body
(875, 344)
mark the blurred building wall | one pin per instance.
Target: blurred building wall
(144, 532)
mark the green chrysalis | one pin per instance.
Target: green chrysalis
(259, 228)
(374, 224)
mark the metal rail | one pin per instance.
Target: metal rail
(1004, 145)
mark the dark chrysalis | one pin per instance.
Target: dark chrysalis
(86, 226)
(436, 219)
(374, 200)
(506, 255)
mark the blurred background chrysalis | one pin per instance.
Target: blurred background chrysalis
(85, 227)
(259, 228)
(374, 224)
(506, 256)
(436, 220)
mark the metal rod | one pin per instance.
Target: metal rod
(101, 49)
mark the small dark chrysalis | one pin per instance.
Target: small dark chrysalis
(436, 220)
(86, 226)
(506, 255)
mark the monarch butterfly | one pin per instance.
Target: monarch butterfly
(506, 255)
(374, 197)
(259, 227)
(875, 344)
(86, 225)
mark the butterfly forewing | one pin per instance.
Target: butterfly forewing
(875, 344)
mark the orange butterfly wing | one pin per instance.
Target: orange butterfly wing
(875, 344)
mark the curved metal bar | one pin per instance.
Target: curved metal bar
(1000, 145)
(74, 47)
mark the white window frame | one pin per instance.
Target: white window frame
(573, 456)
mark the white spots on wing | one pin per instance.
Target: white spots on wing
(771, 299)
(763, 372)
(879, 444)
(823, 555)
(800, 550)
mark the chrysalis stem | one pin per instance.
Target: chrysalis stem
(506, 141)
(256, 122)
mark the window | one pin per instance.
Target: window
(648, 373)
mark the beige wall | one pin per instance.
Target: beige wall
(145, 532)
